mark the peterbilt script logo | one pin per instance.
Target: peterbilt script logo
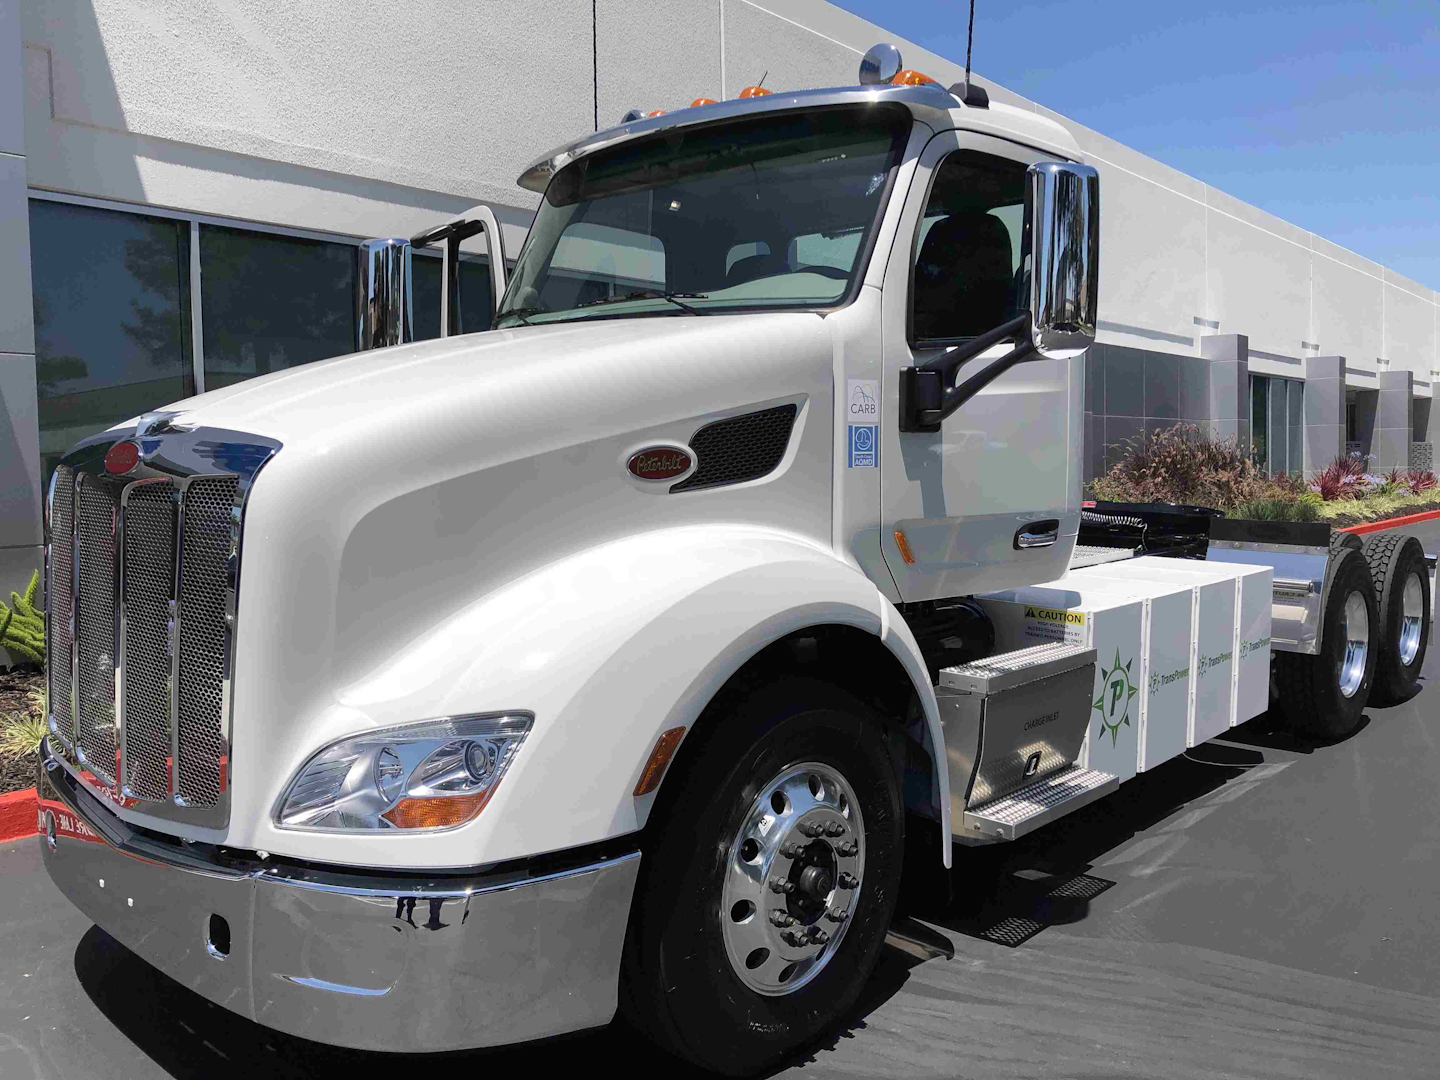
(658, 463)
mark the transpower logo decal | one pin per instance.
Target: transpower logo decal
(1116, 692)
(1160, 678)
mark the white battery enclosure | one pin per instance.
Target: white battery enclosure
(1232, 628)
(1104, 621)
(1166, 671)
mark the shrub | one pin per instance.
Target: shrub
(1343, 478)
(22, 627)
(1419, 481)
(1181, 465)
(1271, 508)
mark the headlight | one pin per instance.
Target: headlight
(433, 775)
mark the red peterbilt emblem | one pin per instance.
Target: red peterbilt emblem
(122, 457)
(658, 463)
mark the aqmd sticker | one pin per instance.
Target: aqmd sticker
(862, 418)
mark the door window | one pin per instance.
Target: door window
(971, 251)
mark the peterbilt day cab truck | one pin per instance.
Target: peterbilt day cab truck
(465, 691)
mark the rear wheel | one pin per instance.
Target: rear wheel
(769, 878)
(1402, 590)
(1324, 695)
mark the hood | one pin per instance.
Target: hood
(591, 359)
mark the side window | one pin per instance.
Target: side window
(971, 251)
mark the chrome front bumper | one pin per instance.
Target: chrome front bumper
(367, 960)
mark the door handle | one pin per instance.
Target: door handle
(1037, 534)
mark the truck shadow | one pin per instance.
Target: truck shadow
(1004, 895)
(192, 1039)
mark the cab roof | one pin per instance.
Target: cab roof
(929, 104)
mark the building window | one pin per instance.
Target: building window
(270, 302)
(112, 318)
(1277, 424)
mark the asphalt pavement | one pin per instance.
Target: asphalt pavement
(1260, 907)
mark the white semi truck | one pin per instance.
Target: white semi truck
(465, 691)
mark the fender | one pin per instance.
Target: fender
(608, 648)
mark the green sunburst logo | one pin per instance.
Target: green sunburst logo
(1113, 704)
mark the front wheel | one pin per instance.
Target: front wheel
(768, 880)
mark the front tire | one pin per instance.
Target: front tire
(1324, 696)
(1402, 589)
(769, 878)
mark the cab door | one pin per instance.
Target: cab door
(992, 499)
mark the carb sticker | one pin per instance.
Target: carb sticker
(1054, 624)
(862, 422)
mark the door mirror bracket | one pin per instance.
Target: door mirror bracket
(1062, 222)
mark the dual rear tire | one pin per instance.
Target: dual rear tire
(1402, 587)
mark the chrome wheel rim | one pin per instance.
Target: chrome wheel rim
(1412, 619)
(793, 877)
(1357, 644)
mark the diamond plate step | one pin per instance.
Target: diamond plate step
(1012, 816)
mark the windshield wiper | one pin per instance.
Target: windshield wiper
(521, 313)
(651, 294)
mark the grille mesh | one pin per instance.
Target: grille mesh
(149, 559)
(58, 599)
(739, 448)
(95, 629)
(204, 556)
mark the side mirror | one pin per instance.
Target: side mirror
(476, 220)
(1063, 213)
(382, 299)
(1062, 224)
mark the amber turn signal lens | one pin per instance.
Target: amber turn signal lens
(754, 91)
(655, 112)
(659, 758)
(702, 101)
(910, 78)
(436, 812)
(904, 546)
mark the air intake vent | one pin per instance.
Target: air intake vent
(739, 448)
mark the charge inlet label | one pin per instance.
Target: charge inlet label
(862, 422)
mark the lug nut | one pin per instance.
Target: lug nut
(850, 847)
(835, 829)
(818, 936)
(848, 881)
(790, 851)
(778, 886)
(781, 918)
(792, 939)
(838, 916)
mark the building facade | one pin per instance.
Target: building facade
(183, 185)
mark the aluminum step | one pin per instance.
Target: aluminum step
(1088, 555)
(1012, 816)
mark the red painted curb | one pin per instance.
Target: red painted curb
(1390, 523)
(18, 815)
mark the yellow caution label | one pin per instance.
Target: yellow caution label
(1056, 615)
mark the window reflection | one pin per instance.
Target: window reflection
(112, 318)
(272, 302)
(476, 306)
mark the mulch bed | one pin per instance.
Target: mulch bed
(16, 774)
(1341, 521)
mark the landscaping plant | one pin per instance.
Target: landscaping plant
(22, 625)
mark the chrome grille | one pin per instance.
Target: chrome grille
(143, 574)
(204, 556)
(149, 563)
(95, 644)
(58, 595)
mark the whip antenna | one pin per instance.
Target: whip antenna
(966, 91)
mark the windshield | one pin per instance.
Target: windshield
(771, 213)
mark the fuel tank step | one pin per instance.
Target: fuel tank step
(1036, 804)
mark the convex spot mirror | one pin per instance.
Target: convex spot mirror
(1063, 220)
